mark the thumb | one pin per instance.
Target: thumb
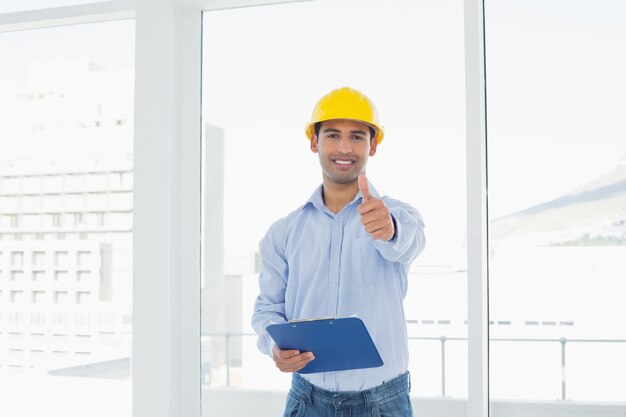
(364, 187)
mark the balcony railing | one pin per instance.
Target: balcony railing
(563, 342)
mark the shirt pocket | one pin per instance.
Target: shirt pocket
(363, 263)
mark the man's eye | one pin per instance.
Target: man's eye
(332, 136)
(357, 138)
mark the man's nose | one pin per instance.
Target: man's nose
(345, 146)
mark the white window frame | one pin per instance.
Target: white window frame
(166, 231)
(477, 216)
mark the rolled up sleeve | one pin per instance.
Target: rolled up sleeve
(409, 240)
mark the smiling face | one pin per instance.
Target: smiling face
(343, 147)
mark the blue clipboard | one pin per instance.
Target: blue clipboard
(338, 344)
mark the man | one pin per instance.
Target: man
(346, 251)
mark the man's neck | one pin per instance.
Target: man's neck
(336, 196)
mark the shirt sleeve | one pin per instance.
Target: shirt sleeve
(409, 240)
(269, 307)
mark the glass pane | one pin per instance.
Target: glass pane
(260, 87)
(557, 203)
(66, 99)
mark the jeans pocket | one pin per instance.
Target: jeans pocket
(294, 407)
(397, 406)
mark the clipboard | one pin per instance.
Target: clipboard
(338, 343)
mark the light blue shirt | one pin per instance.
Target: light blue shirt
(315, 263)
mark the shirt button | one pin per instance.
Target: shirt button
(333, 284)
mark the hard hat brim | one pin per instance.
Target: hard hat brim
(309, 129)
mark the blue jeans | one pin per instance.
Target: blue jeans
(391, 399)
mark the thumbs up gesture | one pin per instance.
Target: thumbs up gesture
(375, 215)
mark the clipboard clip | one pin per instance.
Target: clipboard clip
(311, 319)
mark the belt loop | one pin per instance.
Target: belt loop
(409, 374)
(307, 395)
(366, 398)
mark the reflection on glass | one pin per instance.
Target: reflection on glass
(557, 201)
(259, 88)
(65, 277)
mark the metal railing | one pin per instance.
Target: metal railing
(563, 341)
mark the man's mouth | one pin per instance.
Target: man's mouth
(343, 161)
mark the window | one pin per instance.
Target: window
(83, 297)
(53, 182)
(17, 296)
(38, 318)
(524, 81)
(17, 258)
(412, 66)
(557, 159)
(83, 258)
(60, 276)
(38, 258)
(83, 276)
(60, 258)
(52, 81)
(37, 337)
(38, 297)
(60, 297)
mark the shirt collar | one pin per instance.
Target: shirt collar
(317, 200)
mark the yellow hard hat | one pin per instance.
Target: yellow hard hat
(345, 103)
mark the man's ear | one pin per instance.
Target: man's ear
(373, 145)
(314, 143)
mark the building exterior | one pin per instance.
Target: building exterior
(66, 204)
(65, 263)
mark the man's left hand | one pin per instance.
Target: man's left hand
(375, 215)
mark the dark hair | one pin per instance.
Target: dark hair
(319, 124)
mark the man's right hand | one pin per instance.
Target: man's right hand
(291, 360)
